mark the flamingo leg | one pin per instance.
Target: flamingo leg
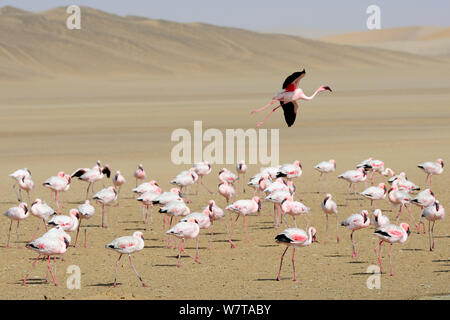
(264, 107)
(87, 191)
(354, 254)
(26, 277)
(140, 278)
(432, 234)
(17, 234)
(117, 265)
(293, 264)
(337, 228)
(262, 122)
(51, 272)
(326, 230)
(212, 234)
(179, 252)
(85, 237)
(232, 229)
(390, 263)
(39, 226)
(281, 263)
(9, 234)
(348, 193)
(76, 237)
(245, 227)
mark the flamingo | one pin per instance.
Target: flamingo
(147, 199)
(54, 242)
(379, 219)
(105, 197)
(400, 197)
(388, 172)
(423, 199)
(241, 169)
(271, 171)
(128, 245)
(355, 222)
(139, 174)
(166, 197)
(18, 175)
(353, 177)
(151, 186)
(202, 169)
(288, 98)
(375, 193)
(373, 166)
(330, 207)
(57, 184)
(27, 185)
(174, 208)
(186, 230)
(86, 211)
(16, 213)
(184, 180)
(392, 234)
(215, 213)
(259, 182)
(243, 207)
(227, 191)
(294, 237)
(324, 168)
(118, 181)
(403, 182)
(294, 209)
(432, 168)
(277, 197)
(42, 211)
(67, 223)
(432, 213)
(92, 175)
(226, 175)
(290, 170)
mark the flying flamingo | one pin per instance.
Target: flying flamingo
(353, 177)
(294, 237)
(202, 169)
(54, 242)
(128, 245)
(330, 207)
(17, 213)
(86, 211)
(392, 234)
(139, 174)
(375, 193)
(379, 219)
(432, 213)
(105, 197)
(92, 175)
(355, 222)
(185, 230)
(325, 167)
(43, 211)
(288, 98)
(432, 168)
(215, 213)
(243, 207)
(118, 181)
(57, 184)
(241, 169)
(18, 175)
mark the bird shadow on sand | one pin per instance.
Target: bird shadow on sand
(264, 228)
(271, 279)
(110, 284)
(447, 236)
(129, 221)
(267, 245)
(412, 249)
(155, 247)
(9, 202)
(357, 262)
(335, 256)
(234, 240)
(165, 265)
(33, 281)
(441, 260)
(440, 271)
(135, 229)
(362, 274)
(75, 202)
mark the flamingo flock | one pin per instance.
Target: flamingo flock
(275, 185)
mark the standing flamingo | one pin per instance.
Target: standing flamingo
(184, 180)
(128, 245)
(86, 211)
(330, 207)
(186, 230)
(241, 169)
(17, 213)
(432, 213)
(324, 168)
(400, 197)
(294, 209)
(403, 182)
(173, 209)
(202, 169)
(92, 175)
(57, 184)
(243, 207)
(105, 197)
(147, 199)
(67, 223)
(392, 234)
(290, 170)
(355, 222)
(215, 213)
(353, 177)
(151, 186)
(118, 181)
(432, 168)
(27, 185)
(373, 166)
(139, 174)
(18, 175)
(277, 197)
(375, 193)
(227, 191)
(294, 237)
(380, 220)
(226, 175)
(288, 98)
(259, 182)
(423, 199)
(54, 242)
(42, 211)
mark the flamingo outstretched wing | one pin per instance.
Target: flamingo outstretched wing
(294, 78)
(290, 111)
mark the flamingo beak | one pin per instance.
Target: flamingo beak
(328, 88)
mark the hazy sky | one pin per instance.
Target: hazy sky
(344, 15)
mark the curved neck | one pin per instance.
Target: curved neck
(312, 97)
(309, 236)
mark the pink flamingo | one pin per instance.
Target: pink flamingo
(379, 219)
(186, 230)
(290, 170)
(403, 182)
(400, 197)
(432, 213)
(151, 186)
(184, 180)
(423, 199)
(375, 193)
(330, 207)
(353, 177)
(226, 175)
(392, 234)
(92, 175)
(147, 199)
(227, 191)
(202, 169)
(68, 223)
(324, 168)
(432, 168)
(355, 222)
(294, 237)
(139, 174)
(373, 166)
(105, 197)
(215, 213)
(241, 169)
(173, 209)
(294, 209)
(18, 175)
(27, 185)
(42, 211)
(243, 207)
(259, 182)
(54, 242)
(86, 211)
(128, 245)
(118, 181)
(57, 184)
(288, 98)
(17, 213)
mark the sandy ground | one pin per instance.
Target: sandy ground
(62, 125)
